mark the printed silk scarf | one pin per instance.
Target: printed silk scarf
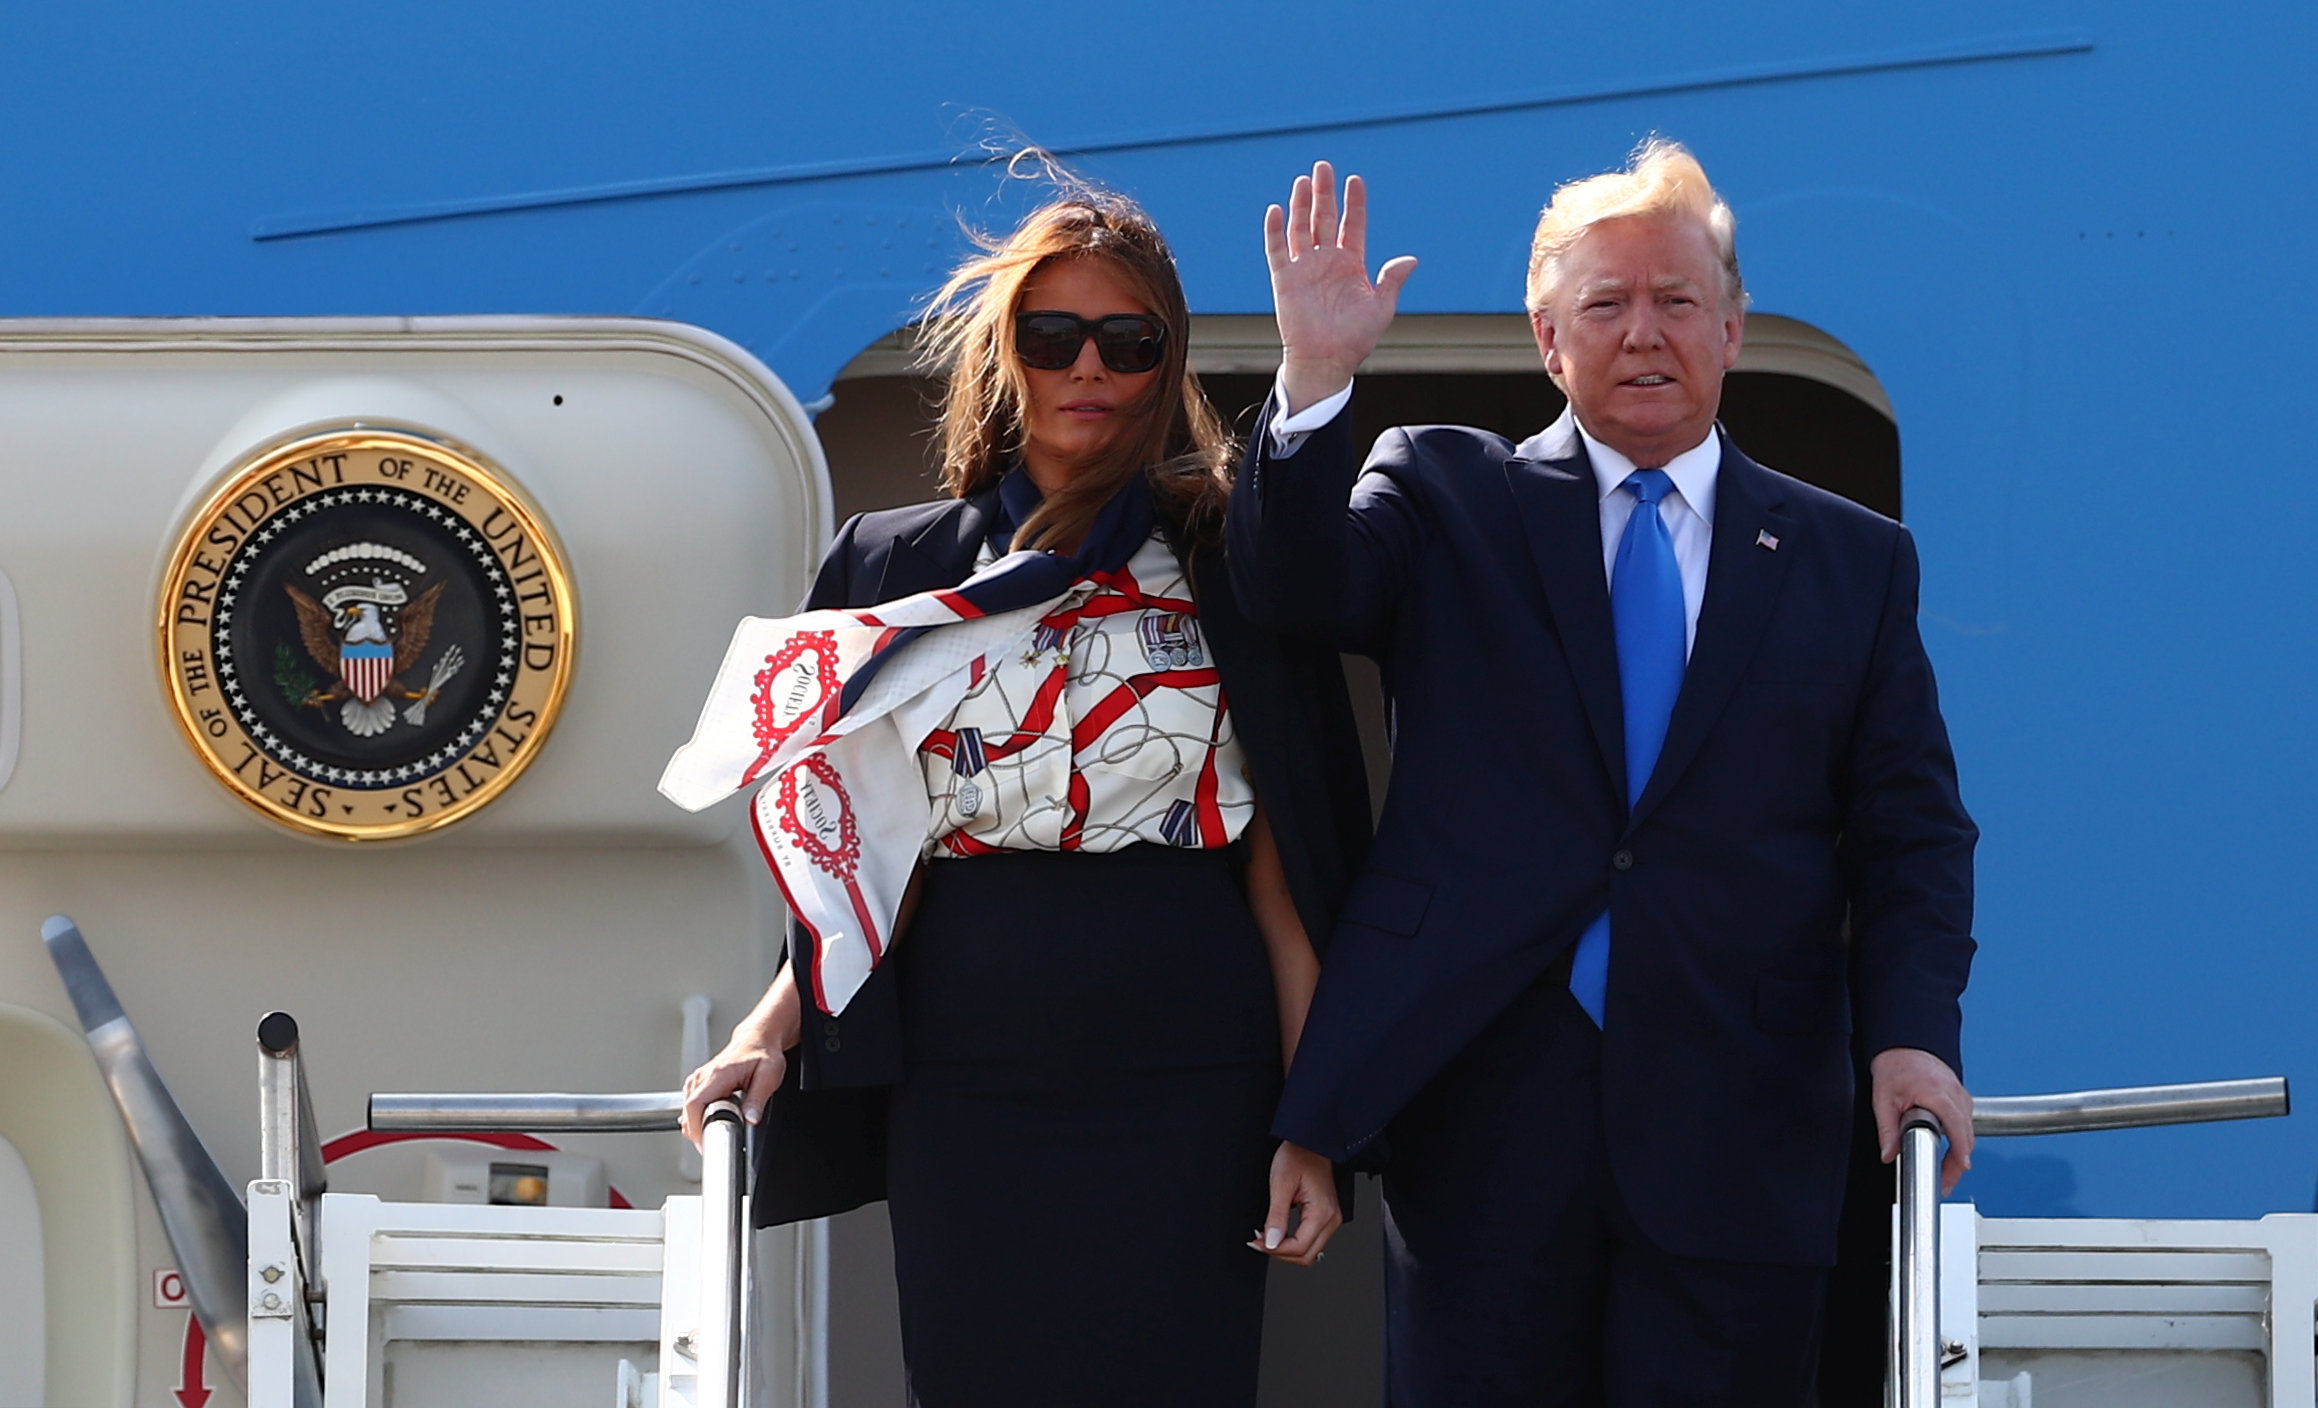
(827, 710)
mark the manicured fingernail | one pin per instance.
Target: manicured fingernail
(1271, 1238)
(752, 1114)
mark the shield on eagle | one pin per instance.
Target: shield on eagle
(366, 667)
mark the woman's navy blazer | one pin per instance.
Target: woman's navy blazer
(821, 1148)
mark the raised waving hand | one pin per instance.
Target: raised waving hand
(1331, 316)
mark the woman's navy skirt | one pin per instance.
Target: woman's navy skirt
(1078, 1150)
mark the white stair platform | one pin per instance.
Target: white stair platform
(2127, 1313)
(446, 1305)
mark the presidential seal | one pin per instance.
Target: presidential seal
(366, 633)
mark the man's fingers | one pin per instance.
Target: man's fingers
(1957, 1118)
(1952, 1169)
(1907, 1078)
(1353, 235)
(1276, 238)
(1958, 1122)
(1390, 278)
(1324, 227)
(1300, 215)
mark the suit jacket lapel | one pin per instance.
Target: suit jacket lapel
(1560, 505)
(1743, 577)
(941, 554)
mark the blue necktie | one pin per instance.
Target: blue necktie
(1646, 610)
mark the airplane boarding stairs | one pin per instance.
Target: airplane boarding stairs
(2121, 1312)
(349, 1301)
(2116, 1312)
(662, 1297)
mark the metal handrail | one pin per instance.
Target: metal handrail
(290, 1151)
(201, 1214)
(1915, 1329)
(289, 1146)
(289, 1141)
(535, 1114)
(1915, 1343)
(2131, 1107)
(723, 1175)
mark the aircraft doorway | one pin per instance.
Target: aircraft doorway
(1798, 401)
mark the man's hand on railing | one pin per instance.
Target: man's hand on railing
(1904, 1078)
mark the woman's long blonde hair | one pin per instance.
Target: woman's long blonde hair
(1175, 440)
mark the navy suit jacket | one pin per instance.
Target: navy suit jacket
(822, 1145)
(1798, 865)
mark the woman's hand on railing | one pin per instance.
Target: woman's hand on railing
(1904, 1079)
(753, 1063)
(1302, 1180)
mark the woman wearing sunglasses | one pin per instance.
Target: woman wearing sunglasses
(1058, 1061)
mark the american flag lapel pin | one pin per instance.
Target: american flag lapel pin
(1763, 539)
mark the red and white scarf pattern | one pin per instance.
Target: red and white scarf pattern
(1109, 729)
(827, 709)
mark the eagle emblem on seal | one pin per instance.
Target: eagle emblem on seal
(367, 631)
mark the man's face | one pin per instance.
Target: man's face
(1640, 334)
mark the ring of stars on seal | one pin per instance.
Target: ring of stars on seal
(367, 633)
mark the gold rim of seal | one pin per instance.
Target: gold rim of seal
(354, 439)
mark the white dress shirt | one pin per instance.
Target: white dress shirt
(1687, 511)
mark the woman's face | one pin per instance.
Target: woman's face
(1077, 412)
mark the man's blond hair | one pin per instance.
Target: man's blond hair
(1661, 177)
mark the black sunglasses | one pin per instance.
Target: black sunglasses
(1128, 343)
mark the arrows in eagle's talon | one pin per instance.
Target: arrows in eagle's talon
(452, 661)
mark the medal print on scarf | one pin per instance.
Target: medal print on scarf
(825, 710)
(1110, 730)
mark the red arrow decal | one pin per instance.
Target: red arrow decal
(335, 1149)
(192, 1388)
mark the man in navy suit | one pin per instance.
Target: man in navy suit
(1672, 817)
